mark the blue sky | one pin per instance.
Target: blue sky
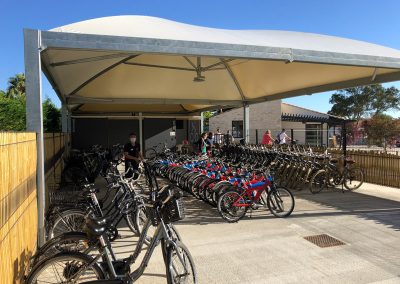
(373, 21)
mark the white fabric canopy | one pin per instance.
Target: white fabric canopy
(144, 64)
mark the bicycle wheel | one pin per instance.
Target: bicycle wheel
(63, 268)
(67, 221)
(226, 208)
(318, 182)
(181, 268)
(280, 202)
(353, 178)
(67, 242)
(141, 219)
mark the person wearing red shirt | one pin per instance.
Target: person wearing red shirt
(267, 138)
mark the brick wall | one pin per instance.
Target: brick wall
(266, 115)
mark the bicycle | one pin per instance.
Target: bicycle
(233, 204)
(331, 175)
(163, 208)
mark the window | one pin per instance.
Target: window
(237, 128)
(314, 134)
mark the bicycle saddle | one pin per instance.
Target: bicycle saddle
(101, 221)
(92, 229)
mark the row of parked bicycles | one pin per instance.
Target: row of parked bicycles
(236, 178)
(83, 221)
(233, 189)
(296, 167)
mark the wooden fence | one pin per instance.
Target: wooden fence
(18, 205)
(55, 146)
(379, 168)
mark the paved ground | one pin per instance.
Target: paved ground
(265, 249)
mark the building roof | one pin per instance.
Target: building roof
(308, 115)
(318, 112)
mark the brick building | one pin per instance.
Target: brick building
(273, 115)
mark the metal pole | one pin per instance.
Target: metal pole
(201, 123)
(34, 117)
(141, 131)
(291, 134)
(321, 134)
(256, 136)
(64, 119)
(246, 122)
(327, 135)
(344, 138)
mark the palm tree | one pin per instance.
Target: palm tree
(16, 87)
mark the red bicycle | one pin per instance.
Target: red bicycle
(233, 204)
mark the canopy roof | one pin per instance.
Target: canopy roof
(129, 64)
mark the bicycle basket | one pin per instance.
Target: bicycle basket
(66, 197)
(173, 211)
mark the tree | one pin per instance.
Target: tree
(381, 129)
(51, 117)
(16, 87)
(206, 119)
(12, 114)
(351, 103)
(382, 99)
(358, 102)
(12, 108)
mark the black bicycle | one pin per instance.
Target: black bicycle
(163, 207)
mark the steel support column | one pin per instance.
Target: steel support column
(327, 135)
(344, 138)
(201, 123)
(64, 119)
(34, 116)
(141, 132)
(246, 123)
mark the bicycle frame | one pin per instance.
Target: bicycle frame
(161, 234)
(247, 195)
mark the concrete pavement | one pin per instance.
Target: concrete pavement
(264, 249)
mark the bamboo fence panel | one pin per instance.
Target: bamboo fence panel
(55, 145)
(379, 167)
(18, 212)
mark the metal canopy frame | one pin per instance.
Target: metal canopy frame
(36, 42)
(132, 46)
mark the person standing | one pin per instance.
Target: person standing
(133, 155)
(267, 138)
(283, 137)
(228, 138)
(203, 144)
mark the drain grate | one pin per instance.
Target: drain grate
(324, 241)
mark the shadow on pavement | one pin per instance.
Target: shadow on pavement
(380, 210)
(329, 203)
